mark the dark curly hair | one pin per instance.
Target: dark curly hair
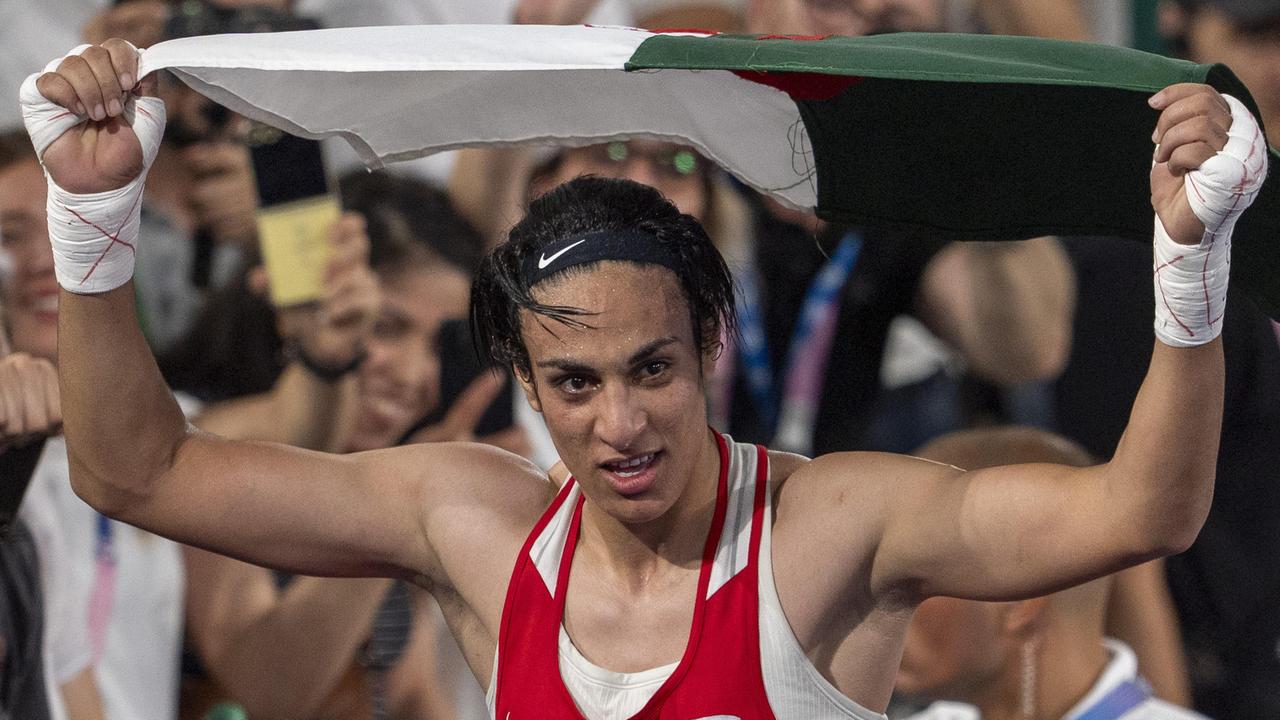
(591, 205)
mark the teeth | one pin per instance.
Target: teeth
(633, 463)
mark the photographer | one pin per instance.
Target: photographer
(201, 200)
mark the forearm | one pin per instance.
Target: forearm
(301, 410)
(286, 661)
(123, 426)
(1161, 477)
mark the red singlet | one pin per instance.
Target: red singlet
(719, 675)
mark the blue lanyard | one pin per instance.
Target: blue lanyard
(1122, 698)
(820, 301)
(104, 549)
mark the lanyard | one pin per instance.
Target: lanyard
(790, 419)
(1122, 698)
(104, 586)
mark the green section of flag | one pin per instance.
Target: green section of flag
(987, 138)
(940, 57)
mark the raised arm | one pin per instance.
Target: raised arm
(132, 454)
(1019, 531)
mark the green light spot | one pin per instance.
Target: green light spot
(685, 162)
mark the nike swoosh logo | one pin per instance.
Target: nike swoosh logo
(544, 261)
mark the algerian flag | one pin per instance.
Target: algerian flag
(958, 136)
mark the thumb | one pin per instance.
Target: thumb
(258, 281)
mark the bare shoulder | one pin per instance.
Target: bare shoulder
(830, 519)
(467, 474)
(850, 473)
(478, 504)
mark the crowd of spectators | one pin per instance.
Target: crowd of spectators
(102, 620)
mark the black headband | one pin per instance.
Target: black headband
(625, 245)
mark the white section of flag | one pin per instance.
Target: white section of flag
(397, 93)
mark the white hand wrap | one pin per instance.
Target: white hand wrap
(93, 235)
(1191, 280)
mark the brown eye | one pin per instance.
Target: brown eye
(574, 384)
(654, 369)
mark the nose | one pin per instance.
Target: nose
(621, 420)
(380, 361)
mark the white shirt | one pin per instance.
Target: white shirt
(138, 670)
(1122, 667)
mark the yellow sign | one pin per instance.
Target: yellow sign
(295, 247)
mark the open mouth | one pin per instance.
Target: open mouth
(632, 466)
(633, 475)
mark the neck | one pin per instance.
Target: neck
(638, 552)
(1068, 664)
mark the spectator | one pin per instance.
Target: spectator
(621, 373)
(201, 202)
(312, 648)
(1227, 586)
(1006, 307)
(30, 295)
(29, 411)
(1043, 657)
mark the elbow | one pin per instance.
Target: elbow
(99, 492)
(1159, 542)
(120, 488)
(1173, 526)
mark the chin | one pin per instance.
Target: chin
(637, 512)
(632, 510)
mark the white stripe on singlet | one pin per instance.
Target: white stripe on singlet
(796, 690)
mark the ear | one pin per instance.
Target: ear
(530, 392)
(1025, 617)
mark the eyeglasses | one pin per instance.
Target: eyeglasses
(673, 163)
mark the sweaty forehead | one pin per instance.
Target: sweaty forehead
(628, 305)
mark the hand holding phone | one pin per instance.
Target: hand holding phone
(296, 212)
(477, 399)
(332, 331)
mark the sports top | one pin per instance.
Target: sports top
(741, 660)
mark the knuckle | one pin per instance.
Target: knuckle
(49, 82)
(116, 43)
(72, 63)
